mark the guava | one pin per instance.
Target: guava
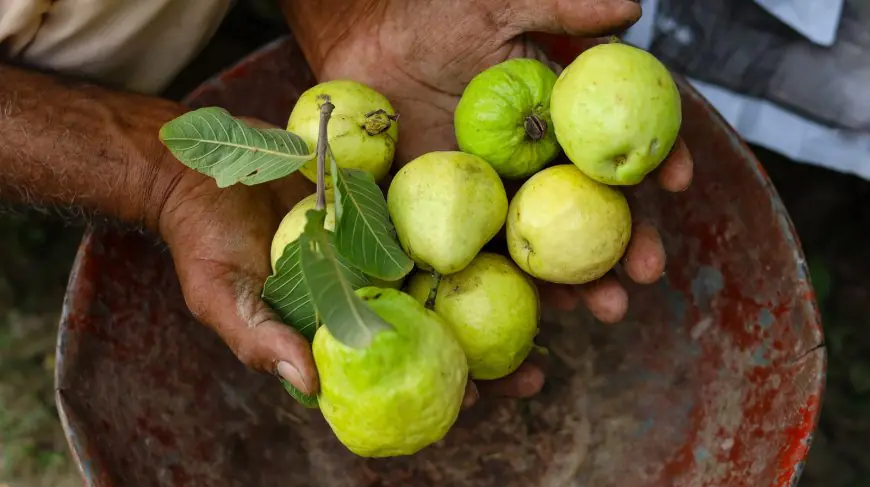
(617, 113)
(504, 117)
(493, 309)
(362, 131)
(446, 206)
(397, 284)
(401, 393)
(293, 223)
(564, 227)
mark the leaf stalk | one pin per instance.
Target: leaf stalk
(322, 146)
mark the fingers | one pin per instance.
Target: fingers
(645, 258)
(230, 304)
(676, 172)
(526, 381)
(471, 395)
(605, 298)
(559, 296)
(586, 18)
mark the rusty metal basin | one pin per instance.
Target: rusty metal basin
(713, 379)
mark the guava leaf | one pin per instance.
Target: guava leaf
(303, 399)
(363, 230)
(210, 141)
(287, 292)
(346, 316)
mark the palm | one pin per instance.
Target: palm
(220, 240)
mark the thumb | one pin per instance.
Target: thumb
(231, 305)
(585, 18)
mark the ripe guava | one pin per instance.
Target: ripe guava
(493, 309)
(566, 228)
(504, 117)
(362, 130)
(445, 207)
(401, 393)
(617, 113)
(293, 223)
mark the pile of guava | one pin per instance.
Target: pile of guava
(465, 313)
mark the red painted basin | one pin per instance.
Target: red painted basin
(713, 379)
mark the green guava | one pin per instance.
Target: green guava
(401, 393)
(493, 309)
(362, 131)
(445, 207)
(504, 117)
(293, 223)
(617, 113)
(564, 227)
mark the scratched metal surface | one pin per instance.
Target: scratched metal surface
(713, 379)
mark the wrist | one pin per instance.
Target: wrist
(152, 173)
(155, 184)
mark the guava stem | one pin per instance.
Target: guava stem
(433, 291)
(536, 127)
(322, 146)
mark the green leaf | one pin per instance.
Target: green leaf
(304, 399)
(209, 140)
(364, 232)
(287, 292)
(348, 318)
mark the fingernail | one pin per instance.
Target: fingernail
(291, 374)
(471, 395)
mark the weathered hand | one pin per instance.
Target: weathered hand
(220, 241)
(422, 53)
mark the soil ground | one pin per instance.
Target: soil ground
(830, 211)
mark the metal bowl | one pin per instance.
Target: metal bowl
(713, 379)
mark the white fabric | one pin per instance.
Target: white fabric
(817, 20)
(137, 45)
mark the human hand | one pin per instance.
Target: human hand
(421, 54)
(220, 241)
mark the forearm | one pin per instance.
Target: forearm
(69, 144)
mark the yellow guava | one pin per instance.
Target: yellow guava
(564, 227)
(362, 131)
(493, 309)
(445, 206)
(293, 223)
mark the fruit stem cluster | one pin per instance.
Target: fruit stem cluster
(325, 112)
(378, 121)
(536, 127)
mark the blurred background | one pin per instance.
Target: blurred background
(821, 181)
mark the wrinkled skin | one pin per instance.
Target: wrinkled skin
(420, 54)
